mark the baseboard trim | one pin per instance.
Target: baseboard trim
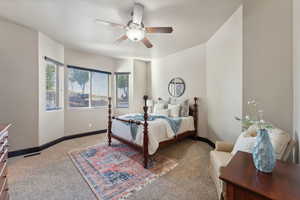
(202, 139)
(49, 144)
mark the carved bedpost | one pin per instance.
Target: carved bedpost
(109, 122)
(145, 144)
(195, 114)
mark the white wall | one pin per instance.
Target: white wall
(188, 64)
(224, 58)
(137, 84)
(267, 55)
(140, 85)
(77, 120)
(19, 84)
(125, 65)
(296, 42)
(51, 123)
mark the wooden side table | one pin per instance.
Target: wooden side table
(244, 182)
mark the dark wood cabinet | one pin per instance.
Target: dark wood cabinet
(244, 182)
(4, 195)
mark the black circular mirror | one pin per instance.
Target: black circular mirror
(176, 87)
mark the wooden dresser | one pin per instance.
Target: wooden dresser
(3, 162)
(244, 182)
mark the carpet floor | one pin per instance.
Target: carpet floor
(52, 175)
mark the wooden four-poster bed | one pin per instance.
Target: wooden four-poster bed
(193, 111)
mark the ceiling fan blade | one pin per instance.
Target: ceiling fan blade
(147, 43)
(107, 23)
(159, 29)
(137, 14)
(122, 38)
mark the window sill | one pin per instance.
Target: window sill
(53, 109)
(87, 108)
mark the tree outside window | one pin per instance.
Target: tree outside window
(122, 90)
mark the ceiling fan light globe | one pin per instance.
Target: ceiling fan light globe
(135, 34)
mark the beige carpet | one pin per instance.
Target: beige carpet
(53, 176)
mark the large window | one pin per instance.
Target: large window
(52, 86)
(87, 88)
(122, 90)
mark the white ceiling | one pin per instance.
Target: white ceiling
(72, 23)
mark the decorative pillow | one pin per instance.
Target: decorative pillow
(244, 143)
(174, 110)
(150, 104)
(278, 138)
(165, 112)
(173, 101)
(185, 108)
(158, 106)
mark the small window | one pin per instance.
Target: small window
(100, 85)
(122, 90)
(79, 88)
(52, 86)
(87, 88)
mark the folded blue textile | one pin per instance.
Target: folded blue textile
(173, 122)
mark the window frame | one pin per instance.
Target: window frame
(116, 92)
(57, 88)
(90, 89)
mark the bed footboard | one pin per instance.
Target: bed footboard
(143, 148)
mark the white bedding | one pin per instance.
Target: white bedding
(159, 131)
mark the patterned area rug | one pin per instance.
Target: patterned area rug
(115, 172)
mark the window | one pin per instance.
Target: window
(122, 90)
(52, 86)
(87, 88)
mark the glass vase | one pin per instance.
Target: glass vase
(263, 153)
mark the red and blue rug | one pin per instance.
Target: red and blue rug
(115, 172)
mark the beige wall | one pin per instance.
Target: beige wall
(140, 85)
(81, 120)
(297, 75)
(125, 65)
(224, 58)
(188, 64)
(267, 55)
(19, 84)
(51, 123)
(137, 84)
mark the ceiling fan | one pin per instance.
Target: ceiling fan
(135, 29)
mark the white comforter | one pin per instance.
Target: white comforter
(159, 131)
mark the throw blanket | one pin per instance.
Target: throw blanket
(174, 123)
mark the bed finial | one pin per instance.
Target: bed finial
(146, 139)
(195, 113)
(109, 122)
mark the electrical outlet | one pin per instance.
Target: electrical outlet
(90, 125)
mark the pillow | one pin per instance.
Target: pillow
(150, 104)
(278, 138)
(185, 108)
(164, 112)
(173, 101)
(174, 110)
(244, 143)
(158, 106)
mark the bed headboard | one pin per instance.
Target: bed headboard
(193, 111)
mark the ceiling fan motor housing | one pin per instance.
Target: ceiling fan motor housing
(135, 32)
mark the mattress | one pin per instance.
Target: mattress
(159, 130)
